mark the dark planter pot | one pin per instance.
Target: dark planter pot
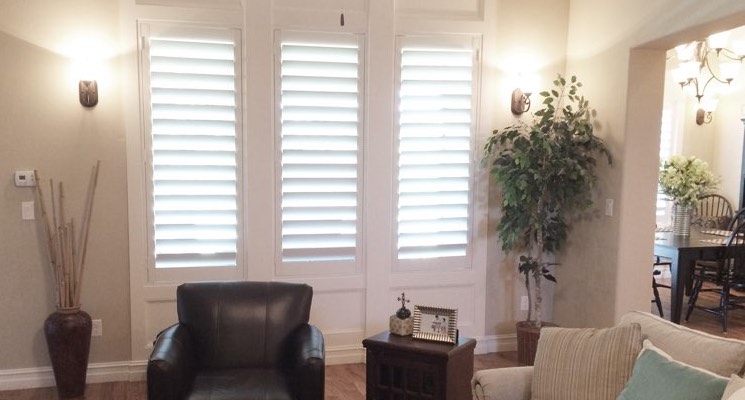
(527, 341)
(68, 334)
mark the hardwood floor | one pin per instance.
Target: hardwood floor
(347, 381)
(704, 321)
(343, 382)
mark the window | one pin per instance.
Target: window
(435, 127)
(194, 135)
(663, 206)
(319, 121)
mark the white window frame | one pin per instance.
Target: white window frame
(300, 268)
(148, 29)
(463, 41)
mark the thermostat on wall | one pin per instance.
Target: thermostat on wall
(25, 178)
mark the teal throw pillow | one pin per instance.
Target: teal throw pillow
(656, 376)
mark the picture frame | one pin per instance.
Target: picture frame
(435, 323)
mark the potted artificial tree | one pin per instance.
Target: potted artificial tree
(545, 171)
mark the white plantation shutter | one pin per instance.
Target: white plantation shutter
(319, 85)
(663, 206)
(194, 144)
(434, 151)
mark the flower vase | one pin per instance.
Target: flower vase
(68, 335)
(681, 220)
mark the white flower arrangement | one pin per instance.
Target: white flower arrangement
(686, 179)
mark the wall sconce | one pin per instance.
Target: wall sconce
(705, 110)
(703, 117)
(88, 93)
(520, 101)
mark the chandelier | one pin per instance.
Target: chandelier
(704, 62)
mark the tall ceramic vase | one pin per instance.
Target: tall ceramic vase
(68, 334)
(681, 220)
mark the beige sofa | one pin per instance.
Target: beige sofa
(721, 356)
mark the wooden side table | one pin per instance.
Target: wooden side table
(400, 367)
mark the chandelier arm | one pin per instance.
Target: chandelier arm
(713, 75)
(703, 90)
(729, 54)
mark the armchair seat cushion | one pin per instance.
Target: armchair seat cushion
(240, 384)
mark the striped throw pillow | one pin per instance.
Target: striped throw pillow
(584, 363)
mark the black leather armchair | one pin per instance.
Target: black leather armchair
(239, 340)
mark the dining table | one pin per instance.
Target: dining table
(682, 252)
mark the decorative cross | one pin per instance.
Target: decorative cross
(403, 300)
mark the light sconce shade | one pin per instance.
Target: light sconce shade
(704, 113)
(520, 101)
(729, 70)
(703, 117)
(718, 40)
(88, 93)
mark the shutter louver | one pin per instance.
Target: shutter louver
(319, 141)
(194, 200)
(663, 206)
(434, 152)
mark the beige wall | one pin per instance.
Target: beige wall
(535, 32)
(618, 49)
(604, 270)
(728, 144)
(43, 126)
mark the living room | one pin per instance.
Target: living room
(616, 49)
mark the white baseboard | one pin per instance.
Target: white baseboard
(31, 378)
(496, 343)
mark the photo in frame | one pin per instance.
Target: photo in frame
(435, 323)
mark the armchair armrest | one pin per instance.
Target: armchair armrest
(502, 383)
(309, 362)
(171, 367)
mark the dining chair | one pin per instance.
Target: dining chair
(736, 219)
(712, 211)
(656, 271)
(728, 272)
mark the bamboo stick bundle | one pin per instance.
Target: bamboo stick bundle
(66, 251)
(83, 243)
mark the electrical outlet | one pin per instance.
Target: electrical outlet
(27, 210)
(524, 303)
(97, 329)
(609, 207)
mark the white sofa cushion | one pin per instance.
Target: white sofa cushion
(511, 383)
(735, 389)
(719, 355)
